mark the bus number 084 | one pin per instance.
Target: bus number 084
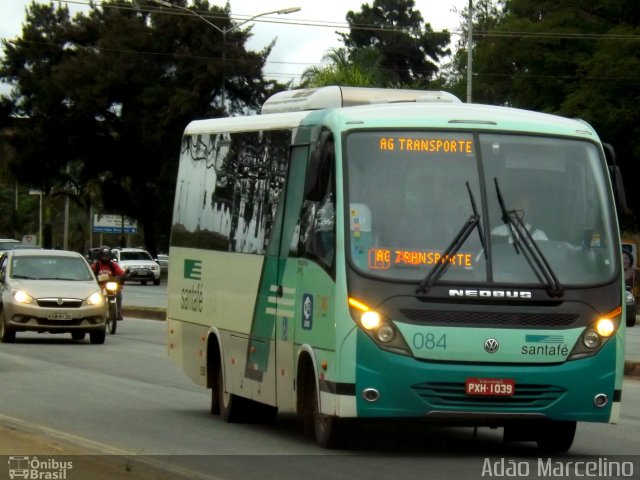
(429, 341)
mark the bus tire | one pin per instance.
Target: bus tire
(557, 438)
(329, 431)
(232, 407)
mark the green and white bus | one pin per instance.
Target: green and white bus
(357, 253)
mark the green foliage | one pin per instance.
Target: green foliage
(574, 58)
(408, 49)
(100, 101)
(389, 45)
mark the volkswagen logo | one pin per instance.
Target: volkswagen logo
(491, 345)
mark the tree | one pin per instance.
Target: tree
(407, 48)
(104, 97)
(361, 71)
(572, 58)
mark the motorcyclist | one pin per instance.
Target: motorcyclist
(104, 265)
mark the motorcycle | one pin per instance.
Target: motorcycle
(110, 288)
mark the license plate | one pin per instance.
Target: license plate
(59, 316)
(502, 387)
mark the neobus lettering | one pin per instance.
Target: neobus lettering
(490, 293)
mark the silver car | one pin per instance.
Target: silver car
(51, 291)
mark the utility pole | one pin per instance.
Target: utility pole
(469, 50)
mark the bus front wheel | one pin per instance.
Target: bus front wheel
(558, 438)
(329, 431)
(551, 436)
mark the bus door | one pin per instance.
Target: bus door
(285, 290)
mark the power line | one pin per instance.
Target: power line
(345, 25)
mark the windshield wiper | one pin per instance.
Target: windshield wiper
(523, 237)
(440, 268)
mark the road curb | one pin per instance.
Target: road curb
(145, 313)
(631, 368)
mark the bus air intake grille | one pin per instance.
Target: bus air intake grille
(452, 395)
(489, 319)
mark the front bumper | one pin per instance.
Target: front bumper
(35, 318)
(409, 387)
(142, 274)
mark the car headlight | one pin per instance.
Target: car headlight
(154, 267)
(628, 297)
(95, 298)
(21, 296)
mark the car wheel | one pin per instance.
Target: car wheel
(7, 334)
(156, 281)
(97, 336)
(631, 318)
(143, 283)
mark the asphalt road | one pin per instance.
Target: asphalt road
(127, 397)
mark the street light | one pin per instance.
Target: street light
(39, 193)
(224, 31)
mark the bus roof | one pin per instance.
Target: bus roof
(355, 107)
(460, 116)
(338, 97)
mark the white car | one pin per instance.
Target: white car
(139, 263)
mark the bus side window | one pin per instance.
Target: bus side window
(317, 218)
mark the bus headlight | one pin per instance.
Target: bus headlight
(379, 328)
(605, 327)
(597, 334)
(591, 339)
(370, 320)
(386, 333)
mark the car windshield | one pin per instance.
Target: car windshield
(410, 194)
(135, 256)
(50, 268)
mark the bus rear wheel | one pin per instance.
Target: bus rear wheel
(232, 407)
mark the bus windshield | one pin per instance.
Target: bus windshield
(411, 192)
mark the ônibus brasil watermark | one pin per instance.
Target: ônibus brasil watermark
(33, 468)
(549, 468)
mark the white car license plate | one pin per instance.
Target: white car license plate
(59, 316)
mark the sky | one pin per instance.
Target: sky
(298, 46)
